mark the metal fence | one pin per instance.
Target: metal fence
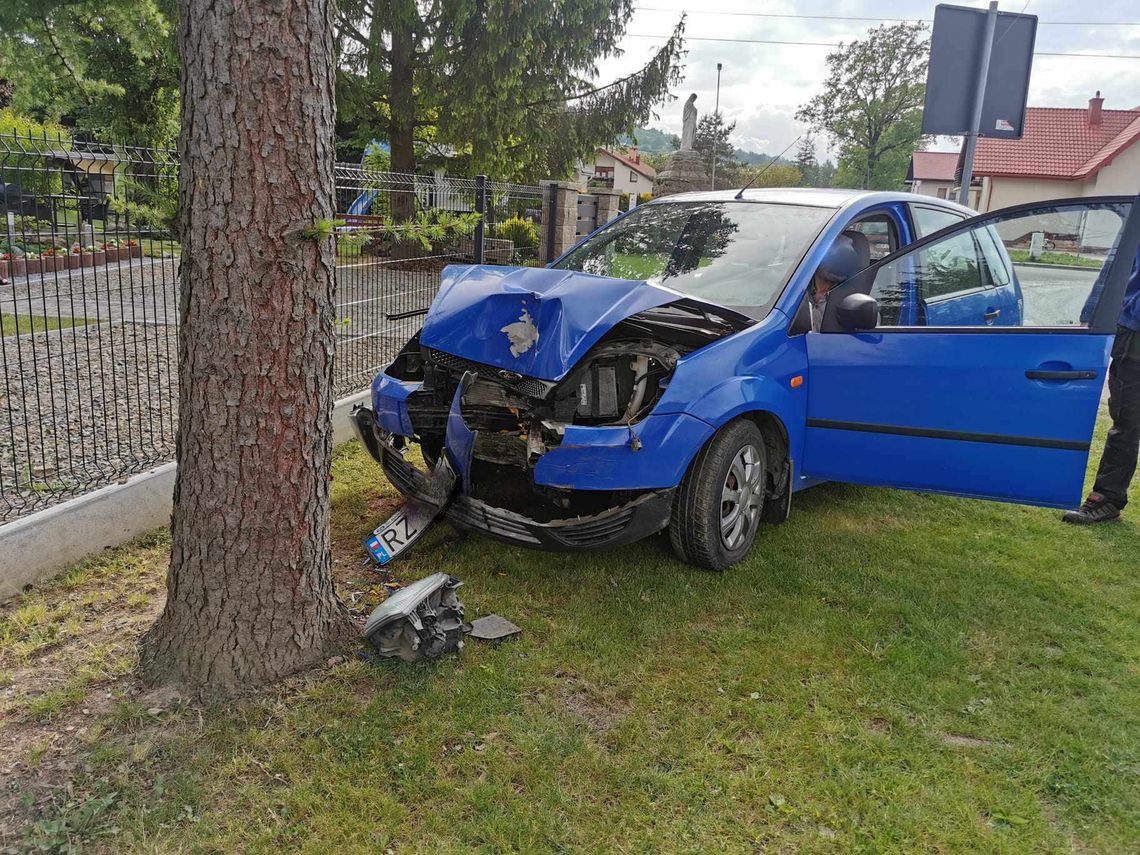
(89, 352)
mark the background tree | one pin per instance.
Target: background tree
(806, 161)
(711, 140)
(109, 67)
(655, 159)
(507, 83)
(249, 593)
(871, 104)
(772, 175)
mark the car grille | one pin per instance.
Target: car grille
(594, 533)
(494, 520)
(528, 386)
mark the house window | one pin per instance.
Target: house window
(632, 177)
(941, 192)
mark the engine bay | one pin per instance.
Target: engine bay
(517, 419)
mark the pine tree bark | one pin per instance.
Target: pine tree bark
(250, 596)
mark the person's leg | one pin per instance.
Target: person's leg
(1118, 463)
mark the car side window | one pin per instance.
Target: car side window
(998, 273)
(934, 273)
(929, 220)
(882, 237)
(988, 241)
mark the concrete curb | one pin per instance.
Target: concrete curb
(1055, 266)
(39, 546)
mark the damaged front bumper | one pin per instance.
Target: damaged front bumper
(625, 523)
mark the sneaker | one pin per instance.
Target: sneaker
(1096, 509)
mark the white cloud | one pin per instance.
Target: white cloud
(762, 85)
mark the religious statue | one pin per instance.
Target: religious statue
(685, 169)
(689, 123)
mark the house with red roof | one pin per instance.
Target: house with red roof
(622, 170)
(1063, 152)
(933, 173)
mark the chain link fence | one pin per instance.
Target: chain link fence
(89, 303)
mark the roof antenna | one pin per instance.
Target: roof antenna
(740, 194)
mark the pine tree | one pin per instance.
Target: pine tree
(249, 592)
(806, 161)
(711, 140)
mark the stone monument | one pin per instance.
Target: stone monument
(685, 169)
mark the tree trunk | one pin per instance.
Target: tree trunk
(402, 101)
(249, 593)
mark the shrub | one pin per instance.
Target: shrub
(523, 233)
(35, 177)
(642, 198)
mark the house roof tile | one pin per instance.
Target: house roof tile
(638, 166)
(933, 166)
(1059, 143)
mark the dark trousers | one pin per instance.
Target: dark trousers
(1118, 464)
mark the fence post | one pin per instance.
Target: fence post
(559, 219)
(607, 206)
(481, 210)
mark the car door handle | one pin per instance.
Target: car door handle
(1039, 374)
(992, 315)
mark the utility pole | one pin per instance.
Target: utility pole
(979, 97)
(716, 112)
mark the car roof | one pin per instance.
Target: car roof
(820, 197)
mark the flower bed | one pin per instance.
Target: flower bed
(20, 262)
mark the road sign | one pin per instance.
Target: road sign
(957, 47)
(977, 82)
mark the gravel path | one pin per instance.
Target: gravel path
(81, 408)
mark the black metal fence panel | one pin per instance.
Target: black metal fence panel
(89, 301)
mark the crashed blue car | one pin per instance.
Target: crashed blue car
(694, 363)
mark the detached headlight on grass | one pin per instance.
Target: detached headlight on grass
(422, 621)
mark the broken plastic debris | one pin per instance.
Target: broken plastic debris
(493, 628)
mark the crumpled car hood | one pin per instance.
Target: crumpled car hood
(531, 320)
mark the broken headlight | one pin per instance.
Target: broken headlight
(618, 383)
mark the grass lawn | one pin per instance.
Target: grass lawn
(1020, 256)
(24, 324)
(162, 248)
(886, 672)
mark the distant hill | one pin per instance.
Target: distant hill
(755, 158)
(654, 141)
(651, 140)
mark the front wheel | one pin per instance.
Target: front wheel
(716, 511)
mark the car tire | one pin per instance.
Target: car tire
(702, 528)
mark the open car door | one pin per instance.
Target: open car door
(971, 362)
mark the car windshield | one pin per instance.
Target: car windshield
(736, 254)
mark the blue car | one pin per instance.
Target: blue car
(694, 363)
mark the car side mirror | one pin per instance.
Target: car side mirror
(858, 312)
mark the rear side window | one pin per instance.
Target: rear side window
(929, 220)
(995, 258)
(880, 234)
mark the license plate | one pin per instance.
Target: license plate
(400, 531)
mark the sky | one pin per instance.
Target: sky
(762, 85)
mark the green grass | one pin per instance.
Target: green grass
(160, 248)
(24, 324)
(885, 672)
(1021, 256)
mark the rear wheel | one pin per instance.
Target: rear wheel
(716, 511)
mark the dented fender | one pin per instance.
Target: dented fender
(390, 403)
(604, 458)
